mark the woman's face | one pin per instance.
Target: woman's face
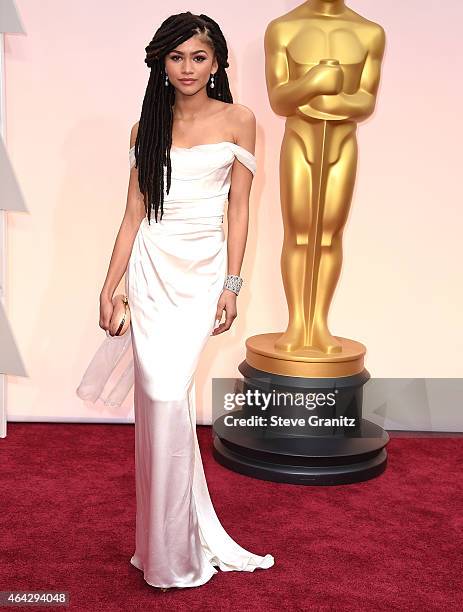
(190, 65)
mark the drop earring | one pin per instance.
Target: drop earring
(166, 82)
(212, 81)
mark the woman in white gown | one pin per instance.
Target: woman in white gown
(175, 271)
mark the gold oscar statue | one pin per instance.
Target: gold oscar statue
(322, 68)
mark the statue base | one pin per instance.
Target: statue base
(308, 363)
(322, 441)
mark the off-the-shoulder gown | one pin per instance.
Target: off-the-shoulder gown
(174, 279)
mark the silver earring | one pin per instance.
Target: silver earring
(212, 81)
(166, 82)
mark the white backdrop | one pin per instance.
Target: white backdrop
(74, 87)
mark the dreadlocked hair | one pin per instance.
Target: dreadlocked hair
(154, 137)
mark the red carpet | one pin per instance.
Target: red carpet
(392, 543)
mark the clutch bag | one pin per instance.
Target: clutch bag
(120, 319)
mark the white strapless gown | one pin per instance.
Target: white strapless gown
(174, 279)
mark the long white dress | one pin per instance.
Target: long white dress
(174, 278)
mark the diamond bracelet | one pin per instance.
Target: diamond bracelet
(233, 283)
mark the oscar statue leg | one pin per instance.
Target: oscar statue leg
(338, 197)
(296, 214)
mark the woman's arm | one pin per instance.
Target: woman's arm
(237, 213)
(134, 214)
(240, 189)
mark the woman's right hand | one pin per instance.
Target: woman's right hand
(106, 311)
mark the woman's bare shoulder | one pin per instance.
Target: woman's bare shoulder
(240, 114)
(244, 123)
(244, 112)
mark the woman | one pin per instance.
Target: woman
(191, 152)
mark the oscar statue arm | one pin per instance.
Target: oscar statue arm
(361, 104)
(285, 95)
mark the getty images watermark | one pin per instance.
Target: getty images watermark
(405, 404)
(258, 400)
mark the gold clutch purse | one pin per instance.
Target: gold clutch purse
(120, 319)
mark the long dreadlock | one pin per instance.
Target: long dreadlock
(154, 137)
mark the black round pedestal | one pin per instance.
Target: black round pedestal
(313, 455)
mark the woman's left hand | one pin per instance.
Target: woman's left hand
(227, 302)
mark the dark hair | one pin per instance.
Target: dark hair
(154, 137)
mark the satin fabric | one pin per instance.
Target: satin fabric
(174, 279)
(200, 182)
